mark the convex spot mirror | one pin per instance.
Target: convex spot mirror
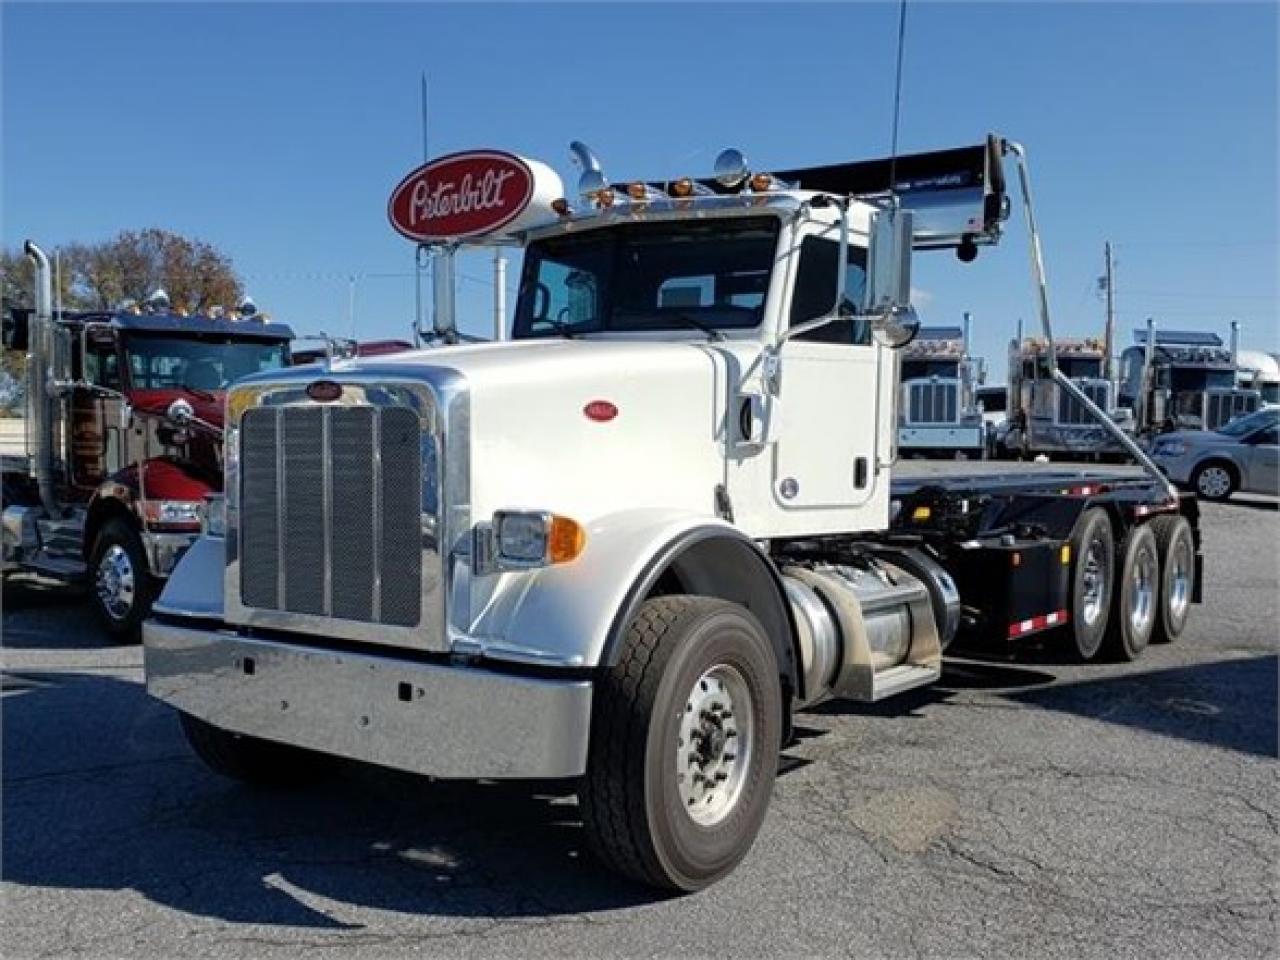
(180, 412)
(894, 322)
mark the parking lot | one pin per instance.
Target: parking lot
(1025, 806)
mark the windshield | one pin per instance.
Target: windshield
(1243, 426)
(648, 276)
(920, 369)
(1081, 368)
(198, 363)
(1270, 392)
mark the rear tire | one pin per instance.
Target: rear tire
(120, 581)
(1137, 595)
(685, 735)
(250, 759)
(1177, 550)
(1092, 581)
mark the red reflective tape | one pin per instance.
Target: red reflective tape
(1021, 628)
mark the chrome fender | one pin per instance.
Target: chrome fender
(194, 587)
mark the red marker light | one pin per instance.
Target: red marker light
(600, 411)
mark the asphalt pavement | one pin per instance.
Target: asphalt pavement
(1026, 806)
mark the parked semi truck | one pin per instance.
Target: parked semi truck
(1259, 371)
(122, 441)
(1183, 380)
(939, 413)
(1043, 417)
(624, 548)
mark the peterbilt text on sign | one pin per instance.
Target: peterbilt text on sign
(461, 195)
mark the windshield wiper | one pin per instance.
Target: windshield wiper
(711, 332)
(560, 327)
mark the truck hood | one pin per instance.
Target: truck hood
(208, 406)
(534, 361)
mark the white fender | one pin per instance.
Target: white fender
(562, 615)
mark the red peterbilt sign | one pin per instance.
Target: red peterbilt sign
(461, 195)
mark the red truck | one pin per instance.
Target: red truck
(123, 442)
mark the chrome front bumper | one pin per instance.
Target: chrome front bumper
(444, 721)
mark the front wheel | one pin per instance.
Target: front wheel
(249, 759)
(1214, 480)
(123, 587)
(685, 734)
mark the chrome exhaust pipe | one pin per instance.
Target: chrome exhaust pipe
(39, 370)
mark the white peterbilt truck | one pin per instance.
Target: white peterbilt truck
(625, 547)
(939, 412)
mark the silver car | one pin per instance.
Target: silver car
(1216, 463)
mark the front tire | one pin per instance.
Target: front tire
(249, 759)
(122, 585)
(1214, 480)
(685, 735)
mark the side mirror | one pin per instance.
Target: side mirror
(894, 322)
(180, 412)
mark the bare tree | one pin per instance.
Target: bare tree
(131, 266)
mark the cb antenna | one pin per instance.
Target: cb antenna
(420, 255)
(897, 96)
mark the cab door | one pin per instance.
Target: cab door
(829, 393)
(96, 435)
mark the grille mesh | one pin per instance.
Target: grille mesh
(932, 402)
(1072, 411)
(330, 512)
(1223, 407)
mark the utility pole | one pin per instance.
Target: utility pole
(1109, 331)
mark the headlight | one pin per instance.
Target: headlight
(1170, 448)
(519, 540)
(215, 515)
(179, 514)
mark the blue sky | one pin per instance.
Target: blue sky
(276, 131)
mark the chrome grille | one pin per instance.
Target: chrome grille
(929, 402)
(1223, 406)
(1072, 412)
(331, 512)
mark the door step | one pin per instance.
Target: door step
(895, 680)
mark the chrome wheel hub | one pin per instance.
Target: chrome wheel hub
(1095, 581)
(1142, 591)
(713, 747)
(1215, 482)
(114, 582)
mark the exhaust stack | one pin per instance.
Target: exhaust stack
(1235, 343)
(40, 360)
